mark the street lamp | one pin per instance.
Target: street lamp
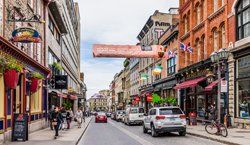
(218, 58)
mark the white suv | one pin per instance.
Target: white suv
(165, 119)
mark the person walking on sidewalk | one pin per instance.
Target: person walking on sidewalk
(50, 117)
(78, 117)
(56, 120)
(68, 118)
(64, 113)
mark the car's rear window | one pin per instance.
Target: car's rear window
(101, 113)
(170, 111)
(137, 110)
(120, 112)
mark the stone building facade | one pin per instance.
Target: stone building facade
(239, 78)
(31, 58)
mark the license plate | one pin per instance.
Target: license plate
(172, 119)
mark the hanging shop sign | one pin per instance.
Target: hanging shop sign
(61, 82)
(26, 35)
(129, 51)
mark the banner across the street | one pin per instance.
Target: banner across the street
(129, 51)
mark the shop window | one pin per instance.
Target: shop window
(243, 19)
(244, 98)
(201, 106)
(36, 100)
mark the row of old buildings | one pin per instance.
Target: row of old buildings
(191, 34)
(38, 37)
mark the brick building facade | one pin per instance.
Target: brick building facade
(204, 26)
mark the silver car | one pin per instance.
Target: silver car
(165, 119)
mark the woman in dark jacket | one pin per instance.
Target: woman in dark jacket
(56, 120)
(68, 118)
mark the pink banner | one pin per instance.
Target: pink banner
(128, 51)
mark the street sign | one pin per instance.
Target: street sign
(223, 86)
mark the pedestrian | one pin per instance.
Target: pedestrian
(64, 113)
(68, 118)
(71, 114)
(50, 117)
(56, 120)
(78, 117)
(212, 113)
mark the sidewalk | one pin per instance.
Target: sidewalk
(235, 136)
(46, 136)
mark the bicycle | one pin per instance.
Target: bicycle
(216, 128)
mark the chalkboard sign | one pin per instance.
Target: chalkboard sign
(192, 120)
(20, 127)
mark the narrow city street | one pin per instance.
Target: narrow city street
(116, 133)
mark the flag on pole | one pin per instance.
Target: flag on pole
(172, 54)
(186, 48)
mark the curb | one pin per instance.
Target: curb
(214, 139)
(83, 132)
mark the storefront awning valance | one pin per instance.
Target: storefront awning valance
(72, 97)
(210, 86)
(190, 83)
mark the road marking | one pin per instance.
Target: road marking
(137, 138)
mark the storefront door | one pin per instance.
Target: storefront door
(201, 106)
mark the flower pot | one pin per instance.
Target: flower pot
(11, 78)
(34, 85)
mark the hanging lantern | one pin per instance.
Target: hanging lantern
(149, 98)
(144, 77)
(157, 70)
(137, 99)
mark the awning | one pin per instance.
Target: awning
(59, 94)
(210, 86)
(190, 83)
(72, 97)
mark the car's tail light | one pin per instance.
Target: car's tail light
(160, 117)
(182, 116)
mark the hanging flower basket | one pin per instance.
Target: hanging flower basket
(34, 85)
(35, 82)
(11, 78)
(12, 73)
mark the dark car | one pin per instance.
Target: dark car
(108, 114)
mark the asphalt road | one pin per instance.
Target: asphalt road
(116, 133)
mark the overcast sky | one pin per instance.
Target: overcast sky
(112, 22)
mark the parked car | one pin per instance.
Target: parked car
(134, 115)
(101, 117)
(165, 119)
(119, 114)
(113, 115)
(108, 114)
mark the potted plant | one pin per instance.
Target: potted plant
(57, 66)
(67, 105)
(12, 73)
(35, 81)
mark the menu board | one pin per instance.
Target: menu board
(20, 127)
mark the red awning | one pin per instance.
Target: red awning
(73, 97)
(210, 86)
(190, 83)
(61, 95)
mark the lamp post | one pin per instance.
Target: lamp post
(218, 59)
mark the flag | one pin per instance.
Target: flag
(172, 54)
(186, 48)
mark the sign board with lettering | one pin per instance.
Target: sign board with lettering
(223, 86)
(61, 82)
(26, 35)
(20, 127)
